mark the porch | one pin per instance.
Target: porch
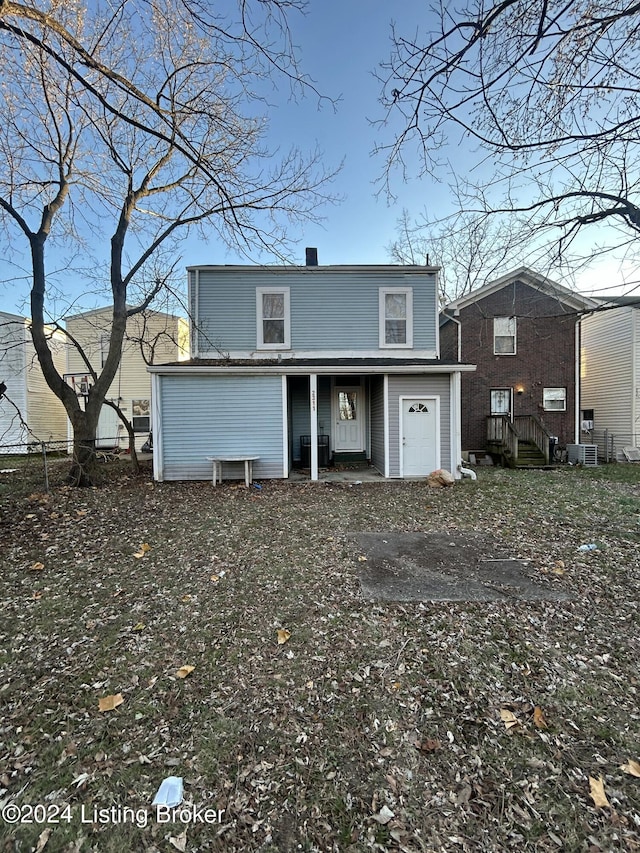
(523, 442)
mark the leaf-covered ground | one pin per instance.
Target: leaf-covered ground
(313, 720)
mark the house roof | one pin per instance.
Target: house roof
(369, 366)
(569, 298)
(108, 309)
(617, 301)
(401, 269)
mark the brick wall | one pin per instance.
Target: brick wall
(545, 358)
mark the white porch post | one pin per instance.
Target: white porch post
(455, 424)
(313, 412)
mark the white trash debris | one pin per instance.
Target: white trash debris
(169, 793)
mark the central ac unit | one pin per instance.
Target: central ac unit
(582, 454)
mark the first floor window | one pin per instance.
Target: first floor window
(273, 318)
(504, 335)
(140, 415)
(396, 317)
(554, 399)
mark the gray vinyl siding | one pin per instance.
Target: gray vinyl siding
(324, 405)
(608, 370)
(330, 310)
(405, 386)
(300, 414)
(377, 422)
(226, 415)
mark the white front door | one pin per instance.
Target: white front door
(419, 436)
(107, 432)
(348, 407)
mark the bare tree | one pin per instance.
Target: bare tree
(469, 250)
(540, 103)
(125, 123)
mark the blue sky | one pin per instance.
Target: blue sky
(340, 46)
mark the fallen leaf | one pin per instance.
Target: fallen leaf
(110, 703)
(42, 840)
(142, 550)
(184, 671)
(509, 719)
(428, 745)
(539, 718)
(384, 815)
(215, 578)
(631, 767)
(558, 567)
(597, 792)
(138, 627)
(37, 567)
(283, 636)
(179, 841)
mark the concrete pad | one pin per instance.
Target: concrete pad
(444, 567)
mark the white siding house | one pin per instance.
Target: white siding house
(153, 337)
(611, 371)
(303, 366)
(29, 410)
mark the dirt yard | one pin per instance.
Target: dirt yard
(228, 636)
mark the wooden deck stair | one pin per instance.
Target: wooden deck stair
(521, 444)
(529, 456)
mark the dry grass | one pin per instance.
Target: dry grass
(374, 726)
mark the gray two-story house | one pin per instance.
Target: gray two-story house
(309, 366)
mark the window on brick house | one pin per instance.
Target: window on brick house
(504, 335)
(554, 399)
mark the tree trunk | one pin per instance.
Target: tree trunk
(84, 466)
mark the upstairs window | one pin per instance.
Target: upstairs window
(396, 317)
(554, 399)
(274, 325)
(504, 336)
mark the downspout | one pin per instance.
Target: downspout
(578, 377)
(576, 410)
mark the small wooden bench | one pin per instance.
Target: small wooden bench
(219, 460)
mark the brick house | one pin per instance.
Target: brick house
(523, 333)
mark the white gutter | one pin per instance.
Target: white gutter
(281, 368)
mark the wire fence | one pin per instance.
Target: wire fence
(612, 445)
(29, 465)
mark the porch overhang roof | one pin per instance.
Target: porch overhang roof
(307, 366)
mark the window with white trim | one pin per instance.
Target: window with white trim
(141, 415)
(273, 318)
(396, 317)
(504, 335)
(554, 399)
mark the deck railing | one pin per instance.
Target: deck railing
(505, 435)
(530, 428)
(501, 434)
